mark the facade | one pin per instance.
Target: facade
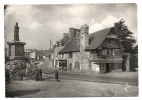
(98, 52)
(30, 53)
(37, 54)
(107, 56)
(43, 54)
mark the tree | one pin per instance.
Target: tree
(135, 50)
(126, 37)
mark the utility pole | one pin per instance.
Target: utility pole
(50, 44)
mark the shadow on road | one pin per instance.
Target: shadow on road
(21, 93)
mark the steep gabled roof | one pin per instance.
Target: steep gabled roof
(72, 46)
(97, 38)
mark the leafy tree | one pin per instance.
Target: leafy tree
(135, 50)
(126, 37)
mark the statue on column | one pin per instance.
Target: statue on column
(16, 32)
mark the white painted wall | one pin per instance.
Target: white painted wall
(95, 68)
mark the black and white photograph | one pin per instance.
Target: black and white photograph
(71, 50)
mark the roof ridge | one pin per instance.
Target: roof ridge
(100, 30)
(98, 38)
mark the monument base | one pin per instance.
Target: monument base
(16, 50)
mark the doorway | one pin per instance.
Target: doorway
(107, 68)
(70, 66)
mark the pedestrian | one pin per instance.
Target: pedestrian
(40, 74)
(7, 75)
(56, 75)
(37, 75)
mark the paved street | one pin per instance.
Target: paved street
(75, 84)
(67, 88)
(122, 78)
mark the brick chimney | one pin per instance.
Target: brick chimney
(71, 33)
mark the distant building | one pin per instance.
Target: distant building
(37, 54)
(30, 53)
(43, 54)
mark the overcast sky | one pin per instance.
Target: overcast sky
(40, 23)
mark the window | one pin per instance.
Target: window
(77, 65)
(116, 66)
(99, 51)
(104, 52)
(113, 52)
(62, 56)
(70, 55)
(110, 52)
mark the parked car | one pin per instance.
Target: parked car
(62, 68)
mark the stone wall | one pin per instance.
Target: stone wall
(81, 59)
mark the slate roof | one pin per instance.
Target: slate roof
(72, 46)
(95, 40)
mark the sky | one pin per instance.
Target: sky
(40, 23)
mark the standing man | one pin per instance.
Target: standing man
(56, 75)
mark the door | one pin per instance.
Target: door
(70, 66)
(107, 67)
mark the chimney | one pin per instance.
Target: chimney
(65, 34)
(77, 33)
(84, 32)
(71, 33)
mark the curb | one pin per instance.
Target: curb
(122, 83)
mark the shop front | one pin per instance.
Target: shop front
(63, 64)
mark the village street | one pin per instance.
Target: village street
(75, 84)
(71, 50)
(67, 88)
(115, 78)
